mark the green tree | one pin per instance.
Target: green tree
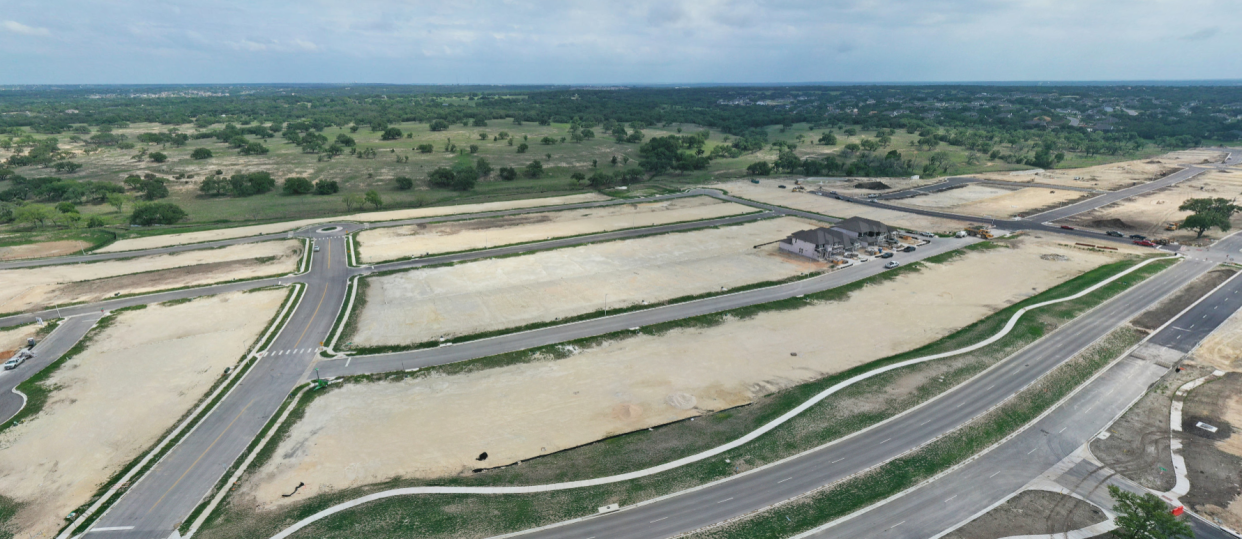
(483, 167)
(439, 125)
(66, 207)
(760, 168)
(326, 187)
(297, 185)
(116, 200)
(200, 153)
(1145, 516)
(1208, 213)
(345, 140)
(404, 183)
(372, 197)
(507, 174)
(158, 157)
(522, 148)
(156, 213)
(474, 148)
(352, 200)
(69, 167)
(391, 133)
(533, 170)
(32, 214)
(254, 148)
(153, 189)
(95, 221)
(577, 177)
(426, 148)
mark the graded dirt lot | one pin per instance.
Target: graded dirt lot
(437, 425)
(1214, 459)
(855, 187)
(1112, 176)
(13, 339)
(1032, 512)
(135, 379)
(424, 304)
(988, 201)
(38, 288)
(166, 240)
(391, 243)
(769, 193)
(41, 250)
(1149, 213)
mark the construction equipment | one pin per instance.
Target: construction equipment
(980, 231)
(799, 189)
(1173, 226)
(1161, 241)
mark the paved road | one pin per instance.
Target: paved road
(555, 334)
(956, 181)
(944, 503)
(756, 490)
(1114, 196)
(163, 497)
(67, 334)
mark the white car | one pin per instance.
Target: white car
(13, 363)
(892, 264)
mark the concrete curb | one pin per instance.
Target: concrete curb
(1009, 325)
(349, 309)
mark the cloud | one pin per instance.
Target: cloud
(19, 28)
(1200, 35)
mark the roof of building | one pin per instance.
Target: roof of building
(824, 236)
(862, 225)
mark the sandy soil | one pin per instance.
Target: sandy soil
(422, 305)
(987, 201)
(1112, 176)
(37, 288)
(1148, 214)
(243, 231)
(1214, 460)
(13, 339)
(437, 425)
(390, 243)
(1223, 348)
(40, 250)
(151, 368)
(769, 193)
(847, 186)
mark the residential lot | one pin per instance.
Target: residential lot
(111, 402)
(989, 201)
(382, 244)
(1112, 176)
(425, 304)
(435, 426)
(1149, 214)
(39, 288)
(769, 193)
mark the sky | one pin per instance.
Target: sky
(614, 42)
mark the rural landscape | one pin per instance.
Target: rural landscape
(435, 309)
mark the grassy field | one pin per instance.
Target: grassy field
(356, 175)
(837, 416)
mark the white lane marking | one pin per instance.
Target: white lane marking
(897, 524)
(783, 480)
(993, 475)
(348, 359)
(1032, 450)
(885, 441)
(946, 500)
(990, 387)
(657, 520)
(112, 529)
(838, 460)
(925, 422)
(1062, 430)
(724, 500)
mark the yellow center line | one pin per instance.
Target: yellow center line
(316, 313)
(200, 457)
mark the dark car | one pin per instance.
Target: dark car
(1114, 233)
(1067, 227)
(781, 186)
(886, 254)
(1137, 237)
(908, 249)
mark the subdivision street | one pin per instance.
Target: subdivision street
(67, 334)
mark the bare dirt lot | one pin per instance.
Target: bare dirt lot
(113, 401)
(391, 243)
(13, 339)
(40, 250)
(437, 425)
(987, 201)
(1148, 214)
(1033, 512)
(769, 193)
(1223, 348)
(39, 288)
(166, 240)
(859, 187)
(1112, 176)
(421, 305)
(1214, 459)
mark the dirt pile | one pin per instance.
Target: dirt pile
(872, 185)
(1110, 224)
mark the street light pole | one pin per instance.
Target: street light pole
(605, 304)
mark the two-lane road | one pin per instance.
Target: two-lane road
(47, 351)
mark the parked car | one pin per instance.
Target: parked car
(1067, 227)
(872, 195)
(14, 362)
(781, 186)
(1137, 237)
(886, 254)
(1144, 243)
(1114, 233)
(928, 235)
(908, 249)
(833, 193)
(892, 264)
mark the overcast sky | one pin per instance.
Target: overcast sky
(634, 41)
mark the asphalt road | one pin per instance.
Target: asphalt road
(955, 181)
(46, 351)
(156, 504)
(566, 332)
(753, 491)
(1114, 196)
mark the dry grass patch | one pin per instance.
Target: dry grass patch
(39, 288)
(110, 403)
(42, 250)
